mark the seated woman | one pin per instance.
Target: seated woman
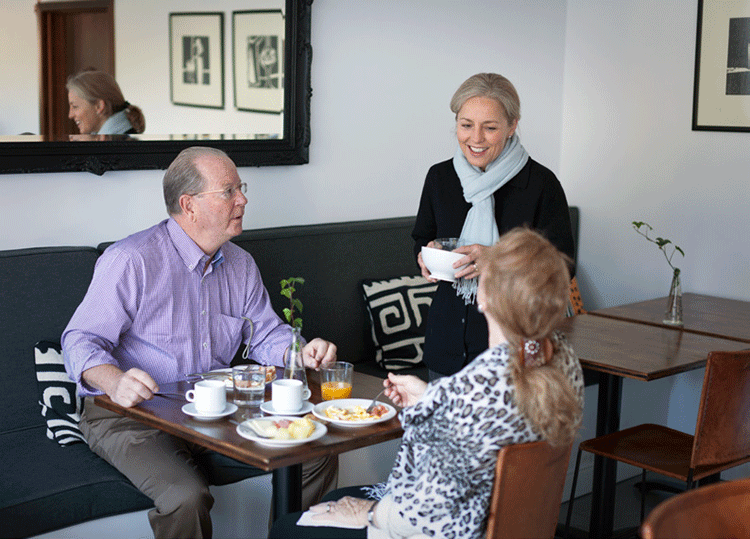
(527, 386)
(98, 107)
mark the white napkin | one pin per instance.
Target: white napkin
(307, 520)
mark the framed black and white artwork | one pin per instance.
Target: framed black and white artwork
(721, 98)
(258, 57)
(196, 58)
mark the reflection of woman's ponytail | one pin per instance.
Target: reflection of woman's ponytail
(135, 117)
(526, 286)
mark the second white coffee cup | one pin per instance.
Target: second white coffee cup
(286, 395)
(208, 396)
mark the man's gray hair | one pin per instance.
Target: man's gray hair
(184, 178)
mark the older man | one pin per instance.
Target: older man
(174, 299)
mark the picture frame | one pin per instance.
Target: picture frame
(258, 60)
(196, 59)
(721, 98)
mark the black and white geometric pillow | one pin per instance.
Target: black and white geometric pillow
(58, 395)
(398, 315)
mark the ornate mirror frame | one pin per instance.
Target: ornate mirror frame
(19, 156)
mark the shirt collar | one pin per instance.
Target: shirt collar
(192, 255)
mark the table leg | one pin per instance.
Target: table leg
(605, 471)
(287, 490)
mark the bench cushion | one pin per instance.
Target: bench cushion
(67, 485)
(398, 316)
(58, 395)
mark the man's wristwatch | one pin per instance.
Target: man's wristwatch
(371, 515)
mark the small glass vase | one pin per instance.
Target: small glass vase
(673, 316)
(294, 366)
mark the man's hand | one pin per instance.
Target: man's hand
(132, 387)
(125, 388)
(317, 352)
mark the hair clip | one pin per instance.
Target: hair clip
(535, 353)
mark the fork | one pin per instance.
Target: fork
(168, 395)
(374, 402)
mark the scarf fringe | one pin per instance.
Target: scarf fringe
(376, 492)
(467, 289)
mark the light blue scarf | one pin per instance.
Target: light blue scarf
(480, 226)
(117, 124)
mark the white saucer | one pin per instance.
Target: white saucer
(189, 409)
(268, 408)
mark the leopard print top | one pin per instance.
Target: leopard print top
(443, 474)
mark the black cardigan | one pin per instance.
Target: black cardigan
(456, 333)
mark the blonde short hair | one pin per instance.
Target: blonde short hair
(493, 86)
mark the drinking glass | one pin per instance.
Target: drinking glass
(336, 380)
(249, 385)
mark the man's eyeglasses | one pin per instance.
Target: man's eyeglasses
(227, 193)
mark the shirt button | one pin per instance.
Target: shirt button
(203, 313)
(205, 345)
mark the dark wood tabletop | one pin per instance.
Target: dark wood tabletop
(221, 435)
(641, 351)
(702, 314)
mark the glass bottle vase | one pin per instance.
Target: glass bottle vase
(673, 316)
(294, 366)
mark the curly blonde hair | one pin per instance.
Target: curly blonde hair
(526, 285)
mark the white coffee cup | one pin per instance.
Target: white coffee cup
(286, 395)
(208, 396)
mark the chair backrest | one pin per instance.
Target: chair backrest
(576, 302)
(526, 497)
(722, 432)
(719, 510)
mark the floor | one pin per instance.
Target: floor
(627, 509)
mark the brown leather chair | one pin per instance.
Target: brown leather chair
(722, 432)
(526, 497)
(576, 302)
(712, 512)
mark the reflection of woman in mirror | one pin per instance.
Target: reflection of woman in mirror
(97, 105)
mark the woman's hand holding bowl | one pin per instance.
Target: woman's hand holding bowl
(473, 253)
(425, 272)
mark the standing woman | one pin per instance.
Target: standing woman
(98, 107)
(489, 187)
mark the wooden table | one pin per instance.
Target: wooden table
(285, 463)
(619, 349)
(702, 315)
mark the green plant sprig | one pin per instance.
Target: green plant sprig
(662, 243)
(288, 289)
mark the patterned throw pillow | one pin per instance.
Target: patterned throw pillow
(398, 314)
(58, 396)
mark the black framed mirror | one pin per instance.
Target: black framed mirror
(31, 154)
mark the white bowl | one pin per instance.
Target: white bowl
(440, 263)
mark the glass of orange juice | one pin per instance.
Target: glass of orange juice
(336, 380)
